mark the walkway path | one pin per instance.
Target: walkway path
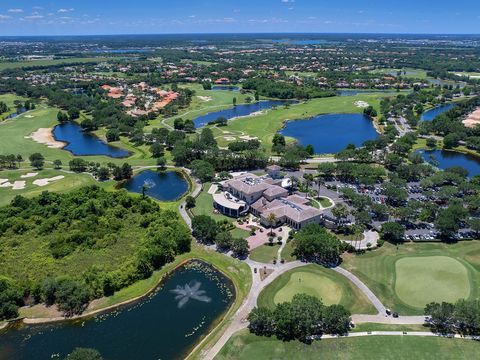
(368, 293)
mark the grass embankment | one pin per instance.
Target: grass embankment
(265, 253)
(315, 280)
(264, 126)
(243, 346)
(427, 272)
(287, 251)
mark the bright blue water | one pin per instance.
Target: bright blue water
(150, 329)
(331, 133)
(80, 143)
(446, 159)
(225, 88)
(431, 114)
(239, 110)
(163, 186)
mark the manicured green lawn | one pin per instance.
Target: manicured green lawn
(411, 73)
(204, 205)
(287, 252)
(265, 253)
(266, 125)
(240, 233)
(317, 281)
(70, 182)
(424, 266)
(245, 346)
(325, 202)
(9, 99)
(14, 139)
(421, 280)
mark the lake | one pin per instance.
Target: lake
(331, 133)
(80, 143)
(161, 185)
(239, 110)
(225, 88)
(165, 325)
(448, 158)
(431, 114)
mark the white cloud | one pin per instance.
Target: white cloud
(287, 1)
(33, 17)
(15, 10)
(65, 10)
(4, 17)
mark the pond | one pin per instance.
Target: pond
(80, 143)
(431, 114)
(331, 133)
(447, 158)
(163, 186)
(15, 114)
(239, 110)
(225, 88)
(165, 325)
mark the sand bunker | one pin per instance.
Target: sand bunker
(3, 181)
(205, 98)
(473, 119)
(229, 138)
(44, 182)
(247, 137)
(17, 185)
(361, 104)
(28, 175)
(45, 136)
(29, 116)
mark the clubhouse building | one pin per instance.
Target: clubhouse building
(264, 196)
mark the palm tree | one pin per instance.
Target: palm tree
(272, 219)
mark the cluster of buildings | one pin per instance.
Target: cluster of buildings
(140, 98)
(267, 198)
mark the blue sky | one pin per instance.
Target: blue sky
(67, 17)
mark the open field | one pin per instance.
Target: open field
(204, 205)
(265, 253)
(264, 126)
(243, 346)
(19, 64)
(317, 281)
(399, 284)
(436, 278)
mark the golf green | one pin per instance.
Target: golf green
(421, 280)
(311, 284)
(315, 280)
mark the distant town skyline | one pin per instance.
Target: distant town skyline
(88, 17)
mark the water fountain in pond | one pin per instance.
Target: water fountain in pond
(189, 291)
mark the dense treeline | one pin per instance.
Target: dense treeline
(45, 241)
(301, 319)
(283, 90)
(204, 157)
(462, 317)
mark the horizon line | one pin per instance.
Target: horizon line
(245, 33)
